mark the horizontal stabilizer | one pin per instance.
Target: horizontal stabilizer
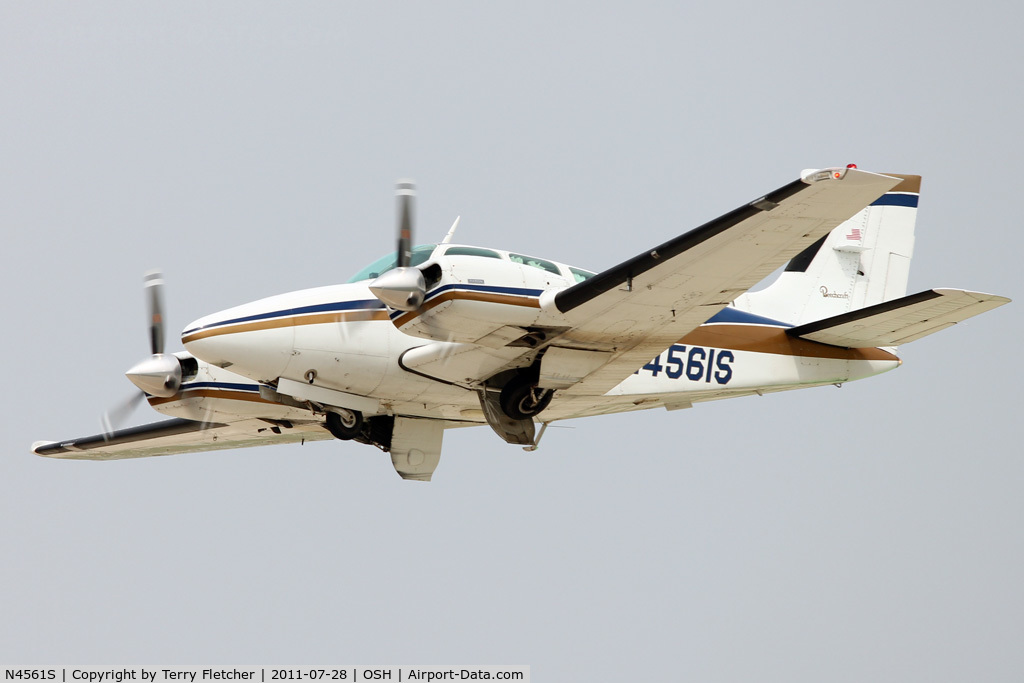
(899, 321)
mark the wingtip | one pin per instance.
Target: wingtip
(852, 175)
(994, 299)
(40, 444)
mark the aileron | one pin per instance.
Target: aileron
(177, 435)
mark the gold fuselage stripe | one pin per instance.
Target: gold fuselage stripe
(774, 340)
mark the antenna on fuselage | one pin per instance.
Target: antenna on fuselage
(451, 231)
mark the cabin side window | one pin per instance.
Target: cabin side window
(579, 275)
(535, 262)
(472, 251)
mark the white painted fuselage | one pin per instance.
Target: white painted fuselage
(340, 342)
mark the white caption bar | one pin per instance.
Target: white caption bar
(262, 674)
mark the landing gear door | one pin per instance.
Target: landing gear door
(512, 431)
(416, 447)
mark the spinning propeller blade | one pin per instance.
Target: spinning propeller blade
(405, 193)
(154, 286)
(114, 417)
(403, 287)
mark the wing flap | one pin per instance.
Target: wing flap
(901, 320)
(171, 437)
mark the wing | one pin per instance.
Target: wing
(181, 436)
(899, 321)
(633, 311)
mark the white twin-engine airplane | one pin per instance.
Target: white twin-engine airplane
(439, 336)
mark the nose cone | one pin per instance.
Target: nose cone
(210, 339)
(263, 338)
(252, 341)
(158, 375)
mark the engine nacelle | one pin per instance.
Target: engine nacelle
(490, 304)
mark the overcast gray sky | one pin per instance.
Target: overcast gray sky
(867, 533)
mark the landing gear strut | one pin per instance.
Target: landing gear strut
(345, 424)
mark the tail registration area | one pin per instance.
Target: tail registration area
(696, 364)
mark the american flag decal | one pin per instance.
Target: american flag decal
(854, 235)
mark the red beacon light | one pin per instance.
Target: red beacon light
(851, 166)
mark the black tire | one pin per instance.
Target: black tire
(521, 399)
(345, 429)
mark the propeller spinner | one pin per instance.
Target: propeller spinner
(403, 287)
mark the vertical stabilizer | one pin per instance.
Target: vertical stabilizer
(862, 262)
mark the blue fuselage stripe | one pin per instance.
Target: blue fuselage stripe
(896, 199)
(517, 291)
(734, 315)
(726, 315)
(364, 304)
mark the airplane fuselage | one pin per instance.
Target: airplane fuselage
(340, 343)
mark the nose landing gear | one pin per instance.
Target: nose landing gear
(345, 424)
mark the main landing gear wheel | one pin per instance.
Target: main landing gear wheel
(521, 399)
(346, 424)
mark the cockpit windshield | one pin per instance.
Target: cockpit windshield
(386, 263)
